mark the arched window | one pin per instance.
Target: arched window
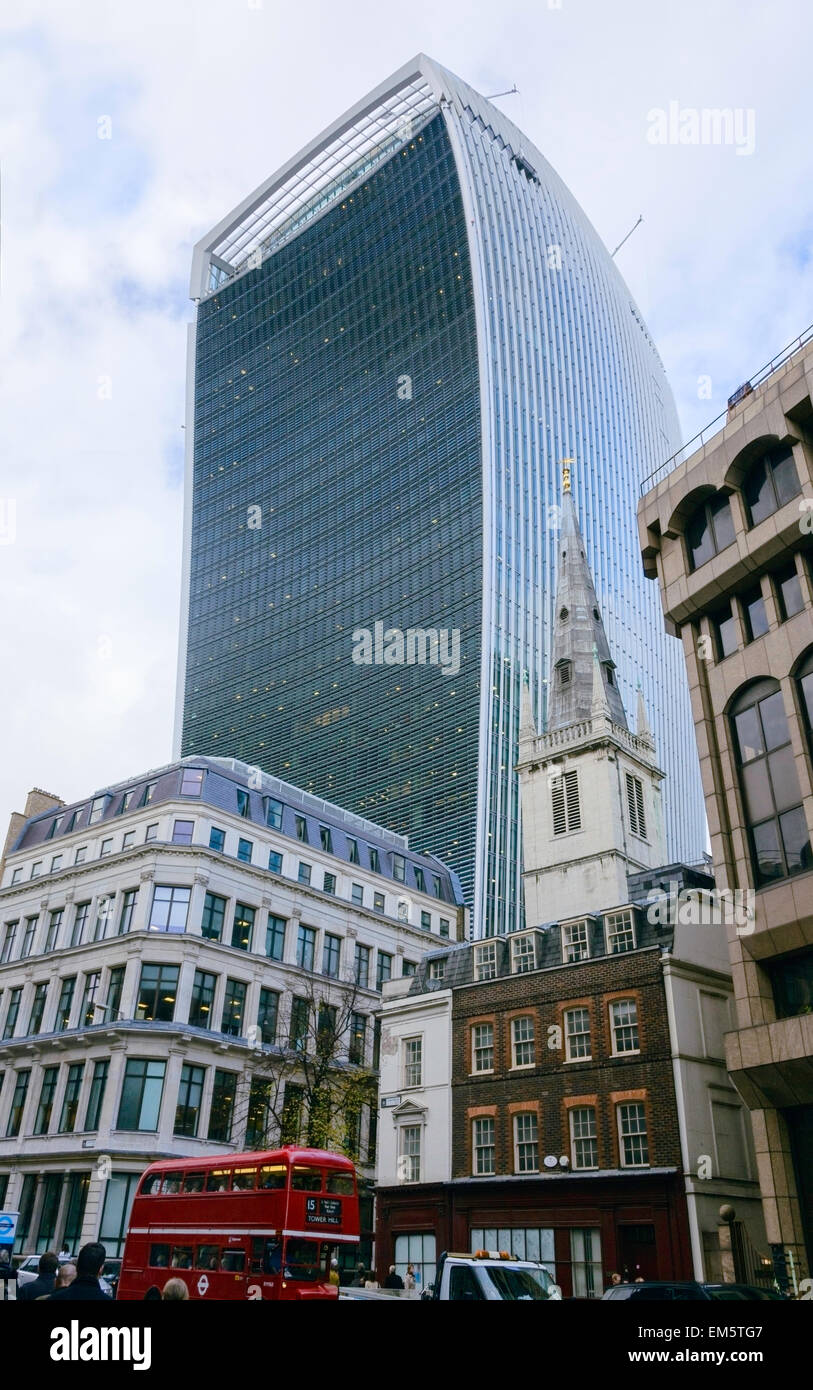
(770, 482)
(804, 683)
(769, 785)
(709, 530)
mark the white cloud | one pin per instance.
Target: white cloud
(205, 101)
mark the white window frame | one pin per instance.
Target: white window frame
(522, 1042)
(613, 931)
(410, 1153)
(569, 944)
(520, 957)
(478, 1148)
(412, 1065)
(615, 1027)
(437, 969)
(481, 1047)
(522, 1116)
(629, 1105)
(485, 961)
(573, 1111)
(570, 1056)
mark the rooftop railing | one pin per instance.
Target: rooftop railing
(700, 439)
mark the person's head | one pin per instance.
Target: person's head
(615, 1277)
(175, 1289)
(49, 1264)
(153, 1295)
(5, 1255)
(392, 1269)
(65, 1275)
(334, 1263)
(360, 1268)
(91, 1260)
(640, 1279)
(410, 1270)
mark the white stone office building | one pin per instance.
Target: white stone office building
(154, 941)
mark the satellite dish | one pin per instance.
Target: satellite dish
(550, 1160)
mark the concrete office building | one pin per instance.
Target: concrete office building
(725, 527)
(397, 338)
(164, 947)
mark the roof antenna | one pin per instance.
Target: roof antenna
(627, 237)
(514, 89)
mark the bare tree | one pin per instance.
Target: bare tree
(312, 1084)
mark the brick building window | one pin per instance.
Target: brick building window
(632, 1136)
(413, 1061)
(578, 1047)
(583, 1137)
(409, 1158)
(483, 1147)
(624, 1026)
(620, 930)
(482, 1047)
(522, 1042)
(485, 961)
(526, 1143)
(523, 954)
(575, 943)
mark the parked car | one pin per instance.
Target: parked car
(688, 1289)
(491, 1276)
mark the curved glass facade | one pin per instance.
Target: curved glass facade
(383, 392)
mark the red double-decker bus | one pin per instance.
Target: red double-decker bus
(250, 1226)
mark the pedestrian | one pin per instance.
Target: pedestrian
(393, 1280)
(153, 1294)
(175, 1291)
(615, 1278)
(86, 1286)
(358, 1281)
(65, 1275)
(8, 1274)
(333, 1276)
(64, 1253)
(370, 1281)
(44, 1283)
(409, 1281)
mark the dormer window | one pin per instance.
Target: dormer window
(608, 672)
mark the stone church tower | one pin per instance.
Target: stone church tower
(589, 788)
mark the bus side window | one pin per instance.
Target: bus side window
(172, 1183)
(266, 1255)
(181, 1257)
(159, 1256)
(217, 1180)
(233, 1261)
(152, 1184)
(273, 1176)
(193, 1182)
(306, 1180)
(340, 1183)
(207, 1257)
(244, 1179)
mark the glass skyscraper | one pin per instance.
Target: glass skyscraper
(398, 338)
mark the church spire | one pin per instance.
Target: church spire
(578, 631)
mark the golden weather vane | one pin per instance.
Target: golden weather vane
(566, 473)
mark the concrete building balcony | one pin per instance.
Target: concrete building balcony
(771, 1064)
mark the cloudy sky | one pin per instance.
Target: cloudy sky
(201, 102)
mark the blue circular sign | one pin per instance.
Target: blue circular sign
(6, 1224)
